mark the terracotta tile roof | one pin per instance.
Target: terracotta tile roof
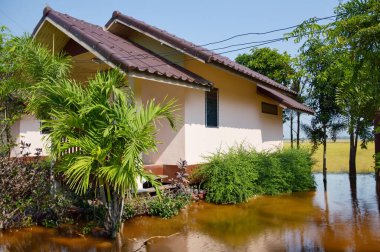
(195, 51)
(121, 52)
(283, 99)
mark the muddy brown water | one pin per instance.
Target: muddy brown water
(345, 218)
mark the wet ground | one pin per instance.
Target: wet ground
(345, 218)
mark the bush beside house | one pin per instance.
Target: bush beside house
(25, 197)
(236, 175)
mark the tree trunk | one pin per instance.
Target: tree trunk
(7, 130)
(353, 189)
(291, 130)
(324, 159)
(298, 129)
(114, 211)
(354, 199)
(5, 133)
(377, 152)
(353, 149)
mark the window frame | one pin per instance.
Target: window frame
(270, 105)
(217, 108)
(46, 131)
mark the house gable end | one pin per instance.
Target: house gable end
(116, 51)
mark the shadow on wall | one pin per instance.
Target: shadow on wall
(271, 129)
(171, 144)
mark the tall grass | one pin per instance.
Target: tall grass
(338, 155)
(236, 175)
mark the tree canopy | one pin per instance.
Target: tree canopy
(269, 62)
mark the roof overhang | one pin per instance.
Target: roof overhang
(143, 76)
(284, 100)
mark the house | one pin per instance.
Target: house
(222, 103)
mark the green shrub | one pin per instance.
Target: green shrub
(167, 205)
(228, 177)
(273, 178)
(238, 174)
(298, 165)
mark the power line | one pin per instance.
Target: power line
(249, 43)
(263, 33)
(14, 21)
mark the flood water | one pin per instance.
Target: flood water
(345, 218)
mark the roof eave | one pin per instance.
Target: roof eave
(284, 100)
(162, 79)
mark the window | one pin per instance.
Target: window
(45, 130)
(269, 108)
(212, 117)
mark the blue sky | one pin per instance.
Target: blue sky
(199, 21)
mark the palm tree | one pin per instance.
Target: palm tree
(109, 130)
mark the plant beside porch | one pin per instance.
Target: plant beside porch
(110, 131)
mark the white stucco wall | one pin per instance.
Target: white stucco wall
(240, 118)
(27, 129)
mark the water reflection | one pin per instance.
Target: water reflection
(345, 217)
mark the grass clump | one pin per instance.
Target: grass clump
(167, 205)
(236, 175)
